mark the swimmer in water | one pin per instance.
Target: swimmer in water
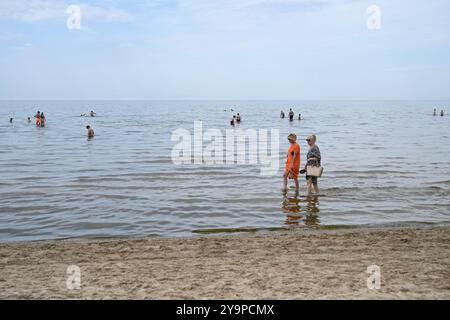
(292, 162)
(93, 114)
(300, 116)
(10, 120)
(434, 112)
(38, 118)
(291, 115)
(29, 119)
(238, 118)
(233, 121)
(442, 113)
(90, 133)
(42, 119)
(282, 114)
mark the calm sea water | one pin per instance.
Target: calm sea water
(385, 162)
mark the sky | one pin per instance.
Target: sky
(225, 49)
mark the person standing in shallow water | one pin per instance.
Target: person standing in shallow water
(10, 120)
(282, 114)
(38, 118)
(442, 113)
(292, 163)
(291, 115)
(42, 119)
(434, 112)
(313, 158)
(90, 132)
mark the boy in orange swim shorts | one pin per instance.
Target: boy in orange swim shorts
(292, 162)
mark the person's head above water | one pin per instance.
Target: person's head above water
(292, 137)
(10, 119)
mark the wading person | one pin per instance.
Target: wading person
(313, 158)
(282, 114)
(38, 118)
(90, 132)
(291, 115)
(42, 119)
(233, 121)
(292, 162)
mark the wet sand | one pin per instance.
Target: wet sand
(414, 262)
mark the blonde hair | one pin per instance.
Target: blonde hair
(313, 136)
(292, 136)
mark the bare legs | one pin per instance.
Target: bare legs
(285, 182)
(310, 184)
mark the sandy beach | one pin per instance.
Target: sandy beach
(321, 264)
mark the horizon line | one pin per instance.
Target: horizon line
(228, 99)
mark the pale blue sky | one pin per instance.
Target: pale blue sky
(229, 49)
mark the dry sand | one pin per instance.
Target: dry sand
(414, 262)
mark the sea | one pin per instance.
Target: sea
(385, 162)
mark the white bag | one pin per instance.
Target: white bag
(314, 171)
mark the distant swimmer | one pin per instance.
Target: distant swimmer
(238, 118)
(291, 115)
(90, 132)
(442, 113)
(282, 114)
(38, 118)
(300, 116)
(29, 119)
(42, 119)
(10, 120)
(292, 162)
(233, 121)
(93, 114)
(434, 112)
